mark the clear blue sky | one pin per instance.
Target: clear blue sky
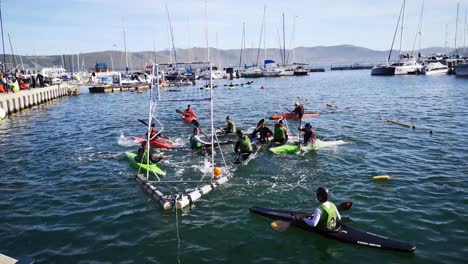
(71, 26)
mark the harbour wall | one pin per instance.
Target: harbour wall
(14, 102)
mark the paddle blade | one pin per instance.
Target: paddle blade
(195, 123)
(179, 111)
(344, 206)
(261, 122)
(280, 226)
(143, 122)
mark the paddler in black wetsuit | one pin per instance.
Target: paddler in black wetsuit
(326, 215)
(264, 132)
(309, 134)
(142, 151)
(243, 147)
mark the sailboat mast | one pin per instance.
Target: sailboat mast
(394, 36)
(261, 34)
(12, 53)
(171, 31)
(206, 34)
(418, 33)
(264, 33)
(284, 44)
(242, 43)
(464, 37)
(456, 28)
(294, 40)
(125, 46)
(217, 50)
(402, 23)
(3, 41)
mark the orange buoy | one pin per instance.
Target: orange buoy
(217, 172)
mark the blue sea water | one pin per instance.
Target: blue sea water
(67, 193)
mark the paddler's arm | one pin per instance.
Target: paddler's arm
(315, 220)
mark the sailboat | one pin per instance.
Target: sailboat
(406, 64)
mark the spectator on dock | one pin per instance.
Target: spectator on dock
(3, 85)
(33, 82)
(22, 85)
(40, 80)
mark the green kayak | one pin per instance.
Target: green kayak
(152, 167)
(293, 148)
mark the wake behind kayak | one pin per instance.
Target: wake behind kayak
(343, 232)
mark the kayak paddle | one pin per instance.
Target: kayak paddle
(143, 122)
(280, 225)
(179, 111)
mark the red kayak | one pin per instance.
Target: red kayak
(292, 116)
(155, 143)
(189, 119)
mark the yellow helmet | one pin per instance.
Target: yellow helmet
(296, 104)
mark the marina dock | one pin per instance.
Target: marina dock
(14, 102)
(119, 88)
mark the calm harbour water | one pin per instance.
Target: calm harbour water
(66, 195)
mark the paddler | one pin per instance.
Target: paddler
(243, 147)
(264, 132)
(230, 126)
(189, 113)
(141, 155)
(281, 133)
(155, 134)
(298, 110)
(309, 134)
(326, 215)
(196, 142)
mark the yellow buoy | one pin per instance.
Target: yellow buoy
(274, 224)
(381, 177)
(217, 171)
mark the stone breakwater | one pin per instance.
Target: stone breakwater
(14, 102)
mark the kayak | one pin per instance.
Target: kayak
(155, 143)
(293, 148)
(189, 118)
(152, 167)
(256, 148)
(343, 232)
(292, 116)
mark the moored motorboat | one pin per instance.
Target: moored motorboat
(435, 68)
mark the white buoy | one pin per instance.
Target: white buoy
(2, 114)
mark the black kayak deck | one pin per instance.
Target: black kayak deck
(343, 232)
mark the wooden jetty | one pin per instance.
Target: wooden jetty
(119, 88)
(14, 102)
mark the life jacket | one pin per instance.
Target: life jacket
(231, 127)
(189, 113)
(301, 110)
(329, 216)
(245, 144)
(280, 133)
(194, 144)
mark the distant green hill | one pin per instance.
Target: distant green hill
(320, 55)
